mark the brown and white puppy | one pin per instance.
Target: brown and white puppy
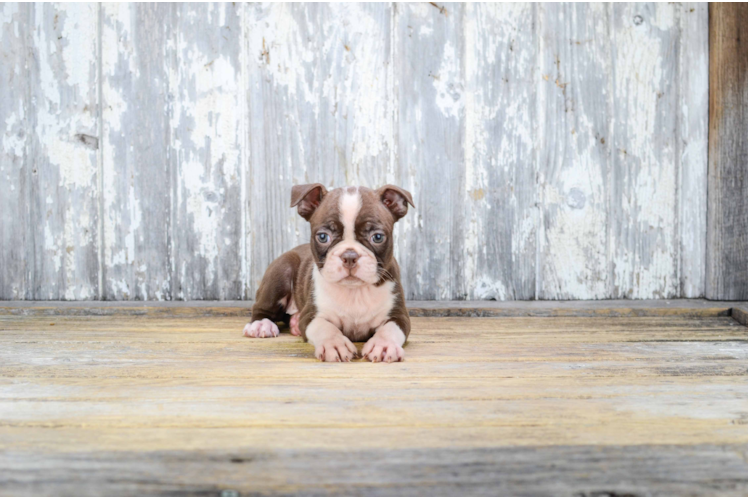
(344, 286)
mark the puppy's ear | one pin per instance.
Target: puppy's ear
(396, 200)
(307, 197)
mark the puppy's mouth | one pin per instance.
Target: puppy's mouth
(351, 281)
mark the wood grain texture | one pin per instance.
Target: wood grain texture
(430, 82)
(554, 151)
(643, 205)
(692, 146)
(16, 237)
(701, 470)
(727, 240)
(137, 405)
(207, 119)
(62, 149)
(138, 168)
(499, 199)
(575, 111)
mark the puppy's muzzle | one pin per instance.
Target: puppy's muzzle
(349, 258)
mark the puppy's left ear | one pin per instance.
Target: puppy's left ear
(396, 200)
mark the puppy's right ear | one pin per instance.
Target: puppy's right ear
(307, 197)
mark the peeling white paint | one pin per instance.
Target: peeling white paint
(364, 94)
(448, 83)
(13, 142)
(646, 156)
(64, 40)
(284, 49)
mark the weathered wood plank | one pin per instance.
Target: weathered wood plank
(280, 49)
(643, 186)
(699, 470)
(318, 93)
(202, 409)
(128, 404)
(16, 237)
(575, 110)
(207, 118)
(727, 238)
(430, 84)
(138, 174)
(63, 151)
(498, 202)
(507, 373)
(355, 125)
(692, 146)
(600, 308)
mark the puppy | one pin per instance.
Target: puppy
(344, 286)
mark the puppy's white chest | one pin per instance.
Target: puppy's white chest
(355, 311)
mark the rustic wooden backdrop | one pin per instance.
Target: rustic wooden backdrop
(555, 151)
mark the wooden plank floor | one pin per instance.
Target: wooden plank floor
(128, 404)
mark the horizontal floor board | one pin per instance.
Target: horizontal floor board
(462, 471)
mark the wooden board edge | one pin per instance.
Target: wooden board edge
(603, 312)
(150, 311)
(434, 309)
(740, 314)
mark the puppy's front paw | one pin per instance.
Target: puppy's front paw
(336, 348)
(379, 349)
(261, 329)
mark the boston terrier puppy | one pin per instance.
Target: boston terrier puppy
(344, 286)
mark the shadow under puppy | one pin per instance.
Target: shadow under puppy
(344, 286)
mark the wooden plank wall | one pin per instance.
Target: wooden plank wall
(555, 151)
(727, 243)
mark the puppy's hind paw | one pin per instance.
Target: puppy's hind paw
(261, 329)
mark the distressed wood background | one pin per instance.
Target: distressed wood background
(555, 151)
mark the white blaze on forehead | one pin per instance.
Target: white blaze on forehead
(350, 206)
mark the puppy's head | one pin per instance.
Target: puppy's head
(351, 229)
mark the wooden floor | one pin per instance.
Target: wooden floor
(122, 404)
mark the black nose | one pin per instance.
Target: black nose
(349, 258)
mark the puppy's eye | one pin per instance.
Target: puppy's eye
(323, 237)
(377, 238)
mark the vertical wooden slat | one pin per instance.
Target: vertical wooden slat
(354, 112)
(499, 212)
(430, 82)
(63, 151)
(727, 239)
(280, 52)
(692, 113)
(137, 167)
(319, 112)
(15, 34)
(207, 149)
(643, 205)
(575, 88)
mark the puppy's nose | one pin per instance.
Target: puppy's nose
(349, 258)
